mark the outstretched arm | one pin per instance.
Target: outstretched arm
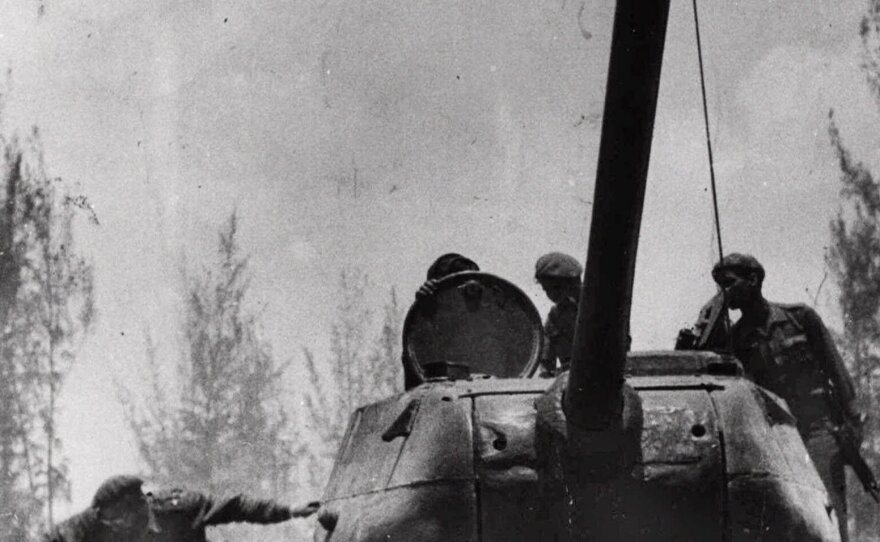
(218, 511)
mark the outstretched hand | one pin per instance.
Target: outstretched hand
(305, 511)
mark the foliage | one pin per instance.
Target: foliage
(869, 31)
(854, 258)
(46, 308)
(225, 430)
(361, 368)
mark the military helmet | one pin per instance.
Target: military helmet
(557, 265)
(738, 263)
(116, 488)
(450, 263)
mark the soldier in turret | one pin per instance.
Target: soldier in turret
(445, 265)
(560, 277)
(787, 349)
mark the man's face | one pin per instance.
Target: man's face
(739, 287)
(555, 289)
(129, 515)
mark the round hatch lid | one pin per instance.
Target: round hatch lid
(474, 320)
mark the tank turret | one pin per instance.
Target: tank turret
(465, 457)
(648, 446)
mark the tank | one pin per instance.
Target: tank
(647, 446)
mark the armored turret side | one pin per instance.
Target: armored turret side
(437, 463)
(773, 490)
(769, 489)
(458, 461)
(404, 471)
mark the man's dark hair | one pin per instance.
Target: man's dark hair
(448, 264)
(741, 264)
(116, 488)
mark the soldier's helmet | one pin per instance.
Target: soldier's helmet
(557, 265)
(738, 263)
(450, 263)
(116, 488)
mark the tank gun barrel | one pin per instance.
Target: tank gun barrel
(593, 396)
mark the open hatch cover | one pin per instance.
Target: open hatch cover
(477, 320)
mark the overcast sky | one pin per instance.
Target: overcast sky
(380, 134)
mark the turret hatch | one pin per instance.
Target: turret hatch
(474, 323)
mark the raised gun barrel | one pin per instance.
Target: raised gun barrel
(594, 395)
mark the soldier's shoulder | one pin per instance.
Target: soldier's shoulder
(74, 529)
(174, 500)
(801, 313)
(798, 309)
(791, 306)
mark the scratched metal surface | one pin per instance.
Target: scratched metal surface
(719, 460)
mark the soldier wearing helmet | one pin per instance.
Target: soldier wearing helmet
(560, 277)
(787, 349)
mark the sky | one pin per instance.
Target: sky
(380, 134)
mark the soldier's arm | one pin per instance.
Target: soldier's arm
(548, 349)
(217, 511)
(832, 364)
(711, 326)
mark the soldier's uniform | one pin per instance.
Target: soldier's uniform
(787, 349)
(82, 527)
(791, 354)
(182, 516)
(559, 326)
(558, 334)
(87, 525)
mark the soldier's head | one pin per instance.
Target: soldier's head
(448, 264)
(122, 506)
(741, 277)
(558, 274)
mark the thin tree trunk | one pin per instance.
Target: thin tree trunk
(22, 432)
(50, 433)
(50, 418)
